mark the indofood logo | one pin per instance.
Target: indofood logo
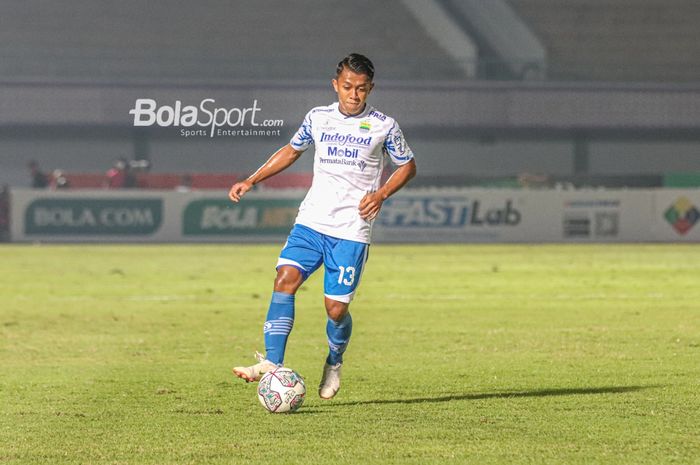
(100, 217)
(205, 119)
(345, 139)
(682, 215)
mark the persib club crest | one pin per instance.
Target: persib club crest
(365, 126)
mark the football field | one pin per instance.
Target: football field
(556, 354)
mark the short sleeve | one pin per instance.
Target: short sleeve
(396, 147)
(303, 138)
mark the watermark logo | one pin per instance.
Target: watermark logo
(205, 119)
(682, 215)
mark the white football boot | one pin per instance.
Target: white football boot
(255, 372)
(330, 381)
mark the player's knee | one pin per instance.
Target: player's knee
(336, 310)
(288, 279)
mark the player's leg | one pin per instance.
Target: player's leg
(338, 331)
(278, 324)
(280, 314)
(344, 262)
(300, 257)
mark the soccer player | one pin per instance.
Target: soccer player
(334, 223)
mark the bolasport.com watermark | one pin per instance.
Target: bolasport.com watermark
(206, 119)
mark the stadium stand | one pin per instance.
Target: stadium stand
(447, 32)
(90, 40)
(71, 71)
(617, 40)
(507, 47)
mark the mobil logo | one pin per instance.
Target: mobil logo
(347, 152)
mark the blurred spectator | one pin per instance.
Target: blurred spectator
(140, 165)
(39, 179)
(533, 181)
(59, 180)
(185, 184)
(119, 175)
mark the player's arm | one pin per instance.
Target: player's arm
(279, 161)
(371, 203)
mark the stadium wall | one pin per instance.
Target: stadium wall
(483, 216)
(476, 128)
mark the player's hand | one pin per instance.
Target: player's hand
(238, 190)
(370, 205)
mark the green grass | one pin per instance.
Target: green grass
(461, 354)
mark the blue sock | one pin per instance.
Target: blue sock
(280, 319)
(338, 338)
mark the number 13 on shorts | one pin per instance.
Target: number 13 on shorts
(347, 275)
(341, 281)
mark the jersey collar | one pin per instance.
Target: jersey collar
(362, 114)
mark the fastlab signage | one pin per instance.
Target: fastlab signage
(222, 217)
(93, 217)
(447, 212)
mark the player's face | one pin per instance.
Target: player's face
(352, 89)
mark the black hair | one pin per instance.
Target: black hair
(357, 63)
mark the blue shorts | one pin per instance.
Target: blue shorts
(343, 260)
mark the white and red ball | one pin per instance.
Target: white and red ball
(281, 390)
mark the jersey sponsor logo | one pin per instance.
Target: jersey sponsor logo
(334, 151)
(395, 146)
(344, 162)
(327, 126)
(446, 212)
(337, 161)
(346, 139)
(365, 126)
(376, 114)
(399, 143)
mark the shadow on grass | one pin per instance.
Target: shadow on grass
(507, 395)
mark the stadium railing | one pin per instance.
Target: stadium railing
(196, 180)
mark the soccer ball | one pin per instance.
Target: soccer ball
(281, 390)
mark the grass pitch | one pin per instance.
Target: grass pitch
(460, 354)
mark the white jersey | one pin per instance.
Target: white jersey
(348, 164)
